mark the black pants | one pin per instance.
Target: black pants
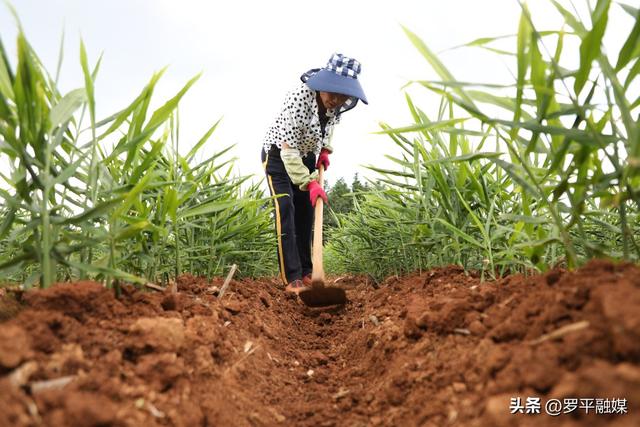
(293, 215)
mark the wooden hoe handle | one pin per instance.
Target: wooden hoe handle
(317, 276)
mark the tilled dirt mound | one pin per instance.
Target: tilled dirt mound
(435, 349)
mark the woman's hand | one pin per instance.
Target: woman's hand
(323, 159)
(316, 191)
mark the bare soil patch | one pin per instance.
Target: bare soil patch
(432, 349)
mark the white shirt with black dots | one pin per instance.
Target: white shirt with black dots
(298, 124)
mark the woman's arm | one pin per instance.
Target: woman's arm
(296, 170)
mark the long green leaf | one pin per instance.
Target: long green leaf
(466, 157)
(162, 114)
(437, 65)
(88, 82)
(208, 208)
(92, 268)
(574, 134)
(631, 48)
(431, 126)
(518, 175)
(591, 43)
(97, 211)
(201, 142)
(6, 79)
(64, 109)
(456, 231)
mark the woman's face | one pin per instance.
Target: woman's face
(331, 100)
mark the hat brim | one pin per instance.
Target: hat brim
(328, 81)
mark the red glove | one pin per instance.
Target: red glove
(316, 191)
(323, 159)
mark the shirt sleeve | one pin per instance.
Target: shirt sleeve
(297, 171)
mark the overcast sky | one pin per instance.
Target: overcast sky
(252, 52)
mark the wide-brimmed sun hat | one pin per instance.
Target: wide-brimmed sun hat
(340, 75)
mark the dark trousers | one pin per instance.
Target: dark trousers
(293, 216)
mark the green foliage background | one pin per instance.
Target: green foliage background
(552, 178)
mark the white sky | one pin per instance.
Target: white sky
(252, 52)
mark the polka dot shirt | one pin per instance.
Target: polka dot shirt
(298, 124)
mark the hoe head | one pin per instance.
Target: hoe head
(321, 296)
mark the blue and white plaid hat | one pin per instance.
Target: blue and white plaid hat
(340, 75)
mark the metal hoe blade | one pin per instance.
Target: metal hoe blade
(323, 296)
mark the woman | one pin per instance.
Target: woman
(296, 144)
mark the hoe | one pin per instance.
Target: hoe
(320, 295)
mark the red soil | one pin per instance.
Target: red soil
(439, 348)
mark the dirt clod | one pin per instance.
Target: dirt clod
(233, 307)
(14, 346)
(158, 332)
